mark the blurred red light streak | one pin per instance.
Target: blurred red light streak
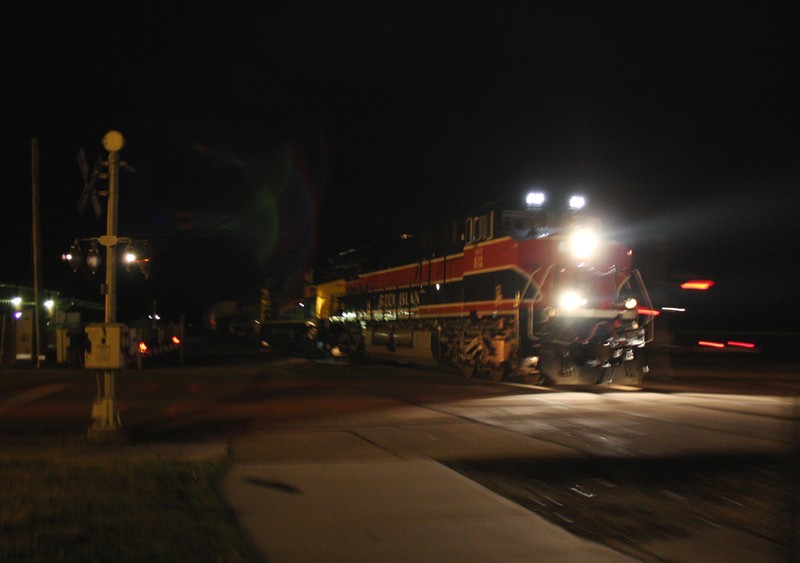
(701, 285)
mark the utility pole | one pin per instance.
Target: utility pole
(37, 253)
(105, 416)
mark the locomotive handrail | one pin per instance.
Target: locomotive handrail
(637, 275)
(646, 295)
(532, 281)
(536, 296)
(650, 317)
(612, 270)
(625, 279)
(595, 329)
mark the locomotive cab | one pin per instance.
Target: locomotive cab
(577, 318)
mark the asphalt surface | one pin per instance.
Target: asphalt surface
(375, 479)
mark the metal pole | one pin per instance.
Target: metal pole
(37, 254)
(111, 280)
(3, 342)
(105, 416)
(111, 234)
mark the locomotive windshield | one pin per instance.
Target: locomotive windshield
(535, 222)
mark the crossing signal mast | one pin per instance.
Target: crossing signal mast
(105, 342)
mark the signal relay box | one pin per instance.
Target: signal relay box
(106, 346)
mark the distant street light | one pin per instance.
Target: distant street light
(74, 256)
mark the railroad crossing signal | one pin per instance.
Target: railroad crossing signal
(89, 194)
(105, 416)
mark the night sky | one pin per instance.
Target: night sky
(267, 138)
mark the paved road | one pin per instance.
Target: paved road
(291, 412)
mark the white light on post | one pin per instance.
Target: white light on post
(74, 256)
(93, 259)
(129, 257)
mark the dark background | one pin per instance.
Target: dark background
(267, 138)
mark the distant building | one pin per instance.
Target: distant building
(17, 327)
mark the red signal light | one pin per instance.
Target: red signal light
(651, 312)
(701, 285)
(748, 345)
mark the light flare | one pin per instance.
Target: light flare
(571, 300)
(583, 244)
(700, 285)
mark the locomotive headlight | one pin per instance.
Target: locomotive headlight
(577, 202)
(583, 244)
(631, 303)
(570, 300)
(535, 199)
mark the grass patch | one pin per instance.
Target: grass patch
(114, 511)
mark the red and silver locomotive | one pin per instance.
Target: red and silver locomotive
(528, 295)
